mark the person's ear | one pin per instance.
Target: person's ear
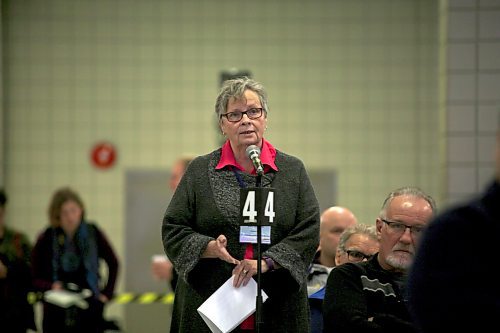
(378, 226)
(338, 254)
(221, 127)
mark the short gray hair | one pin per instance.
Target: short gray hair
(411, 191)
(359, 228)
(235, 88)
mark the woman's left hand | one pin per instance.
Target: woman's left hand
(245, 270)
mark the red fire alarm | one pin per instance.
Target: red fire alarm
(103, 155)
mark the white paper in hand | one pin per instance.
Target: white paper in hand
(227, 307)
(65, 298)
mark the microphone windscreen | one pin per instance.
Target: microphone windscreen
(252, 149)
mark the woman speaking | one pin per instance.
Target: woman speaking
(200, 228)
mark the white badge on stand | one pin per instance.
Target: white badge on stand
(256, 203)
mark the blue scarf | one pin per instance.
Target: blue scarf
(85, 241)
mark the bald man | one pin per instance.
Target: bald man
(334, 221)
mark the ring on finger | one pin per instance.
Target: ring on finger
(245, 272)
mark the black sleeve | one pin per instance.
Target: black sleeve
(344, 306)
(107, 253)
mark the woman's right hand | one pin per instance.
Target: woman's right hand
(217, 249)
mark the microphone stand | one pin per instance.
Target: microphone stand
(258, 306)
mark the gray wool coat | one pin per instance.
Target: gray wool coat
(205, 205)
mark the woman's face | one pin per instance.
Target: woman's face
(247, 131)
(71, 216)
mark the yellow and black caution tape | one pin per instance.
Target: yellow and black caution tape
(123, 298)
(144, 298)
(34, 297)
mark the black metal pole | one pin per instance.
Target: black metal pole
(258, 305)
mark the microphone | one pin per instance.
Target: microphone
(253, 152)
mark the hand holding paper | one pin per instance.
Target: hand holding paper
(225, 309)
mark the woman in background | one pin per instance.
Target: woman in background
(66, 257)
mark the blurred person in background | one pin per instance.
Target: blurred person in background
(66, 256)
(16, 314)
(370, 296)
(201, 224)
(162, 268)
(454, 284)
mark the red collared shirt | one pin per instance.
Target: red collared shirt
(267, 156)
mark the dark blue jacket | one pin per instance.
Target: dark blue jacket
(454, 284)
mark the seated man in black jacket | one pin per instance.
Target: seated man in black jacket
(369, 296)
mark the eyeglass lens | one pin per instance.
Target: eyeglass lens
(252, 113)
(354, 255)
(400, 228)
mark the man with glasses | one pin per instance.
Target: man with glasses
(369, 296)
(356, 243)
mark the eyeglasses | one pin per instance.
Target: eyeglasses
(356, 256)
(399, 228)
(236, 116)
